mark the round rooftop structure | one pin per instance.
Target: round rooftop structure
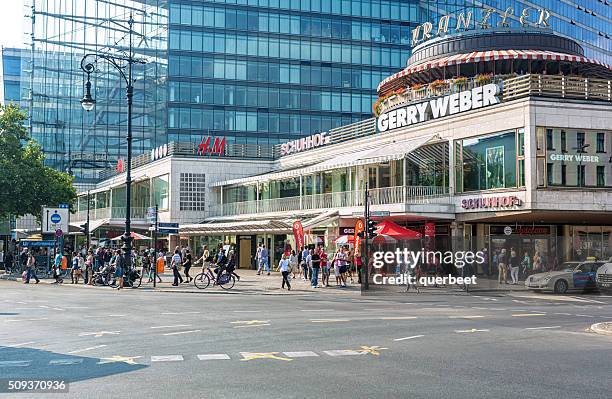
(498, 52)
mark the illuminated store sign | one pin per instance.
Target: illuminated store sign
(491, 202)
(451, 104)
(216, 146)
(575, 158)
(305, 143)
(490, 18)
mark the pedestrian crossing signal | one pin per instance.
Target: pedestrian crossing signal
(372, 228)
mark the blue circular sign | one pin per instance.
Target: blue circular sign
(56, 218)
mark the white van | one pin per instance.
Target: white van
(604, 278)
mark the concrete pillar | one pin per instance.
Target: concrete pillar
(451, 166)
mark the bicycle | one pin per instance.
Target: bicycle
(225, 280)
(133, 279)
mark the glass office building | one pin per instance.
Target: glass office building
(79, 142)
(252, 71)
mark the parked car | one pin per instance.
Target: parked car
(569, 276)
(604, 278)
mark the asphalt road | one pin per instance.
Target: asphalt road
(145, 344)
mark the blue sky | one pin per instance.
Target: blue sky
(12, 22)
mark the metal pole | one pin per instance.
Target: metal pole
(155, 249)
(87, 223)
(127, 238)
(366, 283)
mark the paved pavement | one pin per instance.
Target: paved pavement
(308, 344)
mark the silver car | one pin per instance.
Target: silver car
(569, 276)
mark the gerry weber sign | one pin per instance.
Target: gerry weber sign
(451, 104)
(305, 143)
(490, 17)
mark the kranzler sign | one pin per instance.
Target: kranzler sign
(478, 97)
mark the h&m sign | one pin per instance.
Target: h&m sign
(211, 146)
(464, 21)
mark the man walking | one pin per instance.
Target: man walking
(315, 261)
(501, 267)
(304, 262)
(264, 261)
(175, 263)
(31, 268)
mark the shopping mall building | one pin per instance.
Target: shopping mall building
(497, 139)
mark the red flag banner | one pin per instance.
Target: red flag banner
(298, 233)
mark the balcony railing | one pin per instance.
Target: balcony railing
(344, 199)
(559, 86)
(109, 213)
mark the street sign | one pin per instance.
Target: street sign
(59, 233)
(55, 219)
(168, 225)
(380, 213)
(168, 231)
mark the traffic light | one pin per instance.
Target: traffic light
(372, 228)
(85, 228)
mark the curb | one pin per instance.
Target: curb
(602, 328)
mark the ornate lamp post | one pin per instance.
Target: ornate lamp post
(121, 64)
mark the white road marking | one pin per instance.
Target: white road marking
(589, 300)
(405, 338)
(99, 334)
(541, 328)
(564, 314)
(96, 317)
(174, 326)
(247, 311)
(329, 320)
(473, 330)
(60, 309)
(398, 318)
(585, 315)
(65, 362)
(478, 308)
(252, 325)
(43, 306)
(528, 314)
(167, 358)
(76, 307)
(317, 310)
(179, 313)
(301, 354)
(182, 332)
(342, 352)
(18, 345)
(214, 356)
(15, 363)
(466, 317)
(86, 349)
(40, 318)
(117, 315)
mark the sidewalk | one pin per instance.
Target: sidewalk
(250, 283)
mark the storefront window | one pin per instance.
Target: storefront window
(118, 197)
(160, 190)
(585, 162)
(428, 166)
(489, 162)
(289, 188)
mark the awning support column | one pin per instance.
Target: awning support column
(405, 183)
(301, 192)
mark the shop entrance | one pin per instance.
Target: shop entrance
(245, 252)
(540, 240)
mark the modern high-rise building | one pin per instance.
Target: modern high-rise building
(252, 71)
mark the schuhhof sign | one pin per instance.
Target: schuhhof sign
(491, 202)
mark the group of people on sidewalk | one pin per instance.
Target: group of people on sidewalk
(310, 263)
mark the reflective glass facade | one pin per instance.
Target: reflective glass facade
(80, 142)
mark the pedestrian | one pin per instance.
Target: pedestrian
(501, 267)
(75, 272)
(175, 263)
(358, 264)
(284, 267)
(315, 264)
(31, 268)
(187, 265)
(264, 261)
(119, 268)
(299, 261)
(485, 264)
(324, 269)
(231, 264)
(349, 264)
(205, 259)
(526, 265)
(8, 262)
(341, 265)
(293, 263)
(304, 263)
(514, 266)
(89, 261)
(57, 264)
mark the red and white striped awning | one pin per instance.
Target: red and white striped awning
(477, 56)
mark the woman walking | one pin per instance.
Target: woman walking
(293, 263)
(325, 269)
(187, 265)
(75, 273)
(283, 267)
(119, 269)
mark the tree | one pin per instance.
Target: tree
(26, 184)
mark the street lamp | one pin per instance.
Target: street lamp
(120, 63)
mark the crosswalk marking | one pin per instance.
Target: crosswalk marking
(214, 356)
(528, 314)
(329, 320)
(473, 330)
(174, 326)
(65, 362)
(542, 328)
(86, 349)
(167, 358)
(405, 338)
(342, 352)
(398, 318)
(301, 354)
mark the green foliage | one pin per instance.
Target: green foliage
(26, 184)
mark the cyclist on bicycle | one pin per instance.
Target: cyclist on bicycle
(222, 262)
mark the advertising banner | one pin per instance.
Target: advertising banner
(359, 227)
(298, 233)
